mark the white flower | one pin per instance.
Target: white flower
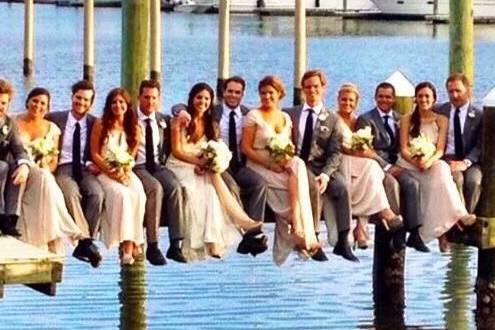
(324, 129)
(421, 147)
(217, 155)
(280, 147)
(323, 115)
(162, 123)
(362, 139)
(5, 130)
(117, 155)
(471, 114)
(40, 148)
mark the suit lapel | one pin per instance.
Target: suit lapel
(381, 126)
(468, 124)
(296, 117)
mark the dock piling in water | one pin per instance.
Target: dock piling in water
(155, 40)
(89, 41)
(223, 45)
(461, 38)
(300, 49)
(28, 38)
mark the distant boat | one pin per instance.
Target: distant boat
(423, 8)
(196, 7)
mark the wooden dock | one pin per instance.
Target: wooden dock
(21, 263)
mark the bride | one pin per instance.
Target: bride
(212, 215)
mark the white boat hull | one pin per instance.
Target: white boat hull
(481, 8)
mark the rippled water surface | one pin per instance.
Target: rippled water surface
(241, 292)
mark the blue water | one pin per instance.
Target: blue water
(241, 292)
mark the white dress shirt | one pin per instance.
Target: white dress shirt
(141, 154)
(391, 120)
(302, 120)
(224, 124)
(70, 126)
(450, 150)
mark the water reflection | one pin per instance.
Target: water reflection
(457, 289)
(132, 296)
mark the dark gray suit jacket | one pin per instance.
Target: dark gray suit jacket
(471, 135)
(11, 147)
(164, 148)
(60, 119)
(325, 154)
(386, 149)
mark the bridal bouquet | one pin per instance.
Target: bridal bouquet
(118, 157)
(362, 139)
(280, 147)
(421, 147)
(42, 148)
(217, 155)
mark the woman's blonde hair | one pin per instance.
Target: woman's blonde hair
(349, 88)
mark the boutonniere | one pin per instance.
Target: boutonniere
(162, 123)
(5, 130)
(323, 116)
(324, 129)
(471, 114)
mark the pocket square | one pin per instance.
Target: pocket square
(162, 123)
(471, 114)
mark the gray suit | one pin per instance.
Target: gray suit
(11, 153)
(84, 199)
(325, 157)
(387, 152)
(468, 182)
(161, 187)
(247, 183)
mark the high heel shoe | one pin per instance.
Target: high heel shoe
(392, 225)
(360, 238)
(443, 244)
(126, 260)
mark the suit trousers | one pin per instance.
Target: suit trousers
(469, 186)
(162, 189)
(10, 194)
(392, 190)
(249, 187)
(410, 200)
(337, 194)
(84, 200)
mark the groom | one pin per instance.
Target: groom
(318, 141)
(76, 174)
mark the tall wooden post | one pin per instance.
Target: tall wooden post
(132, 296)
(300, 49)
(461, 38)
(156, 40)
(89, 41)
(28, 38)
(485, 282)
(223, 45)
(135, 44)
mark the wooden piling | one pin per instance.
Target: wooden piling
(461, 38)
(300, 49)
(485, 281)
(135, 44)
(223, 45)
(89, 40)
(155, 40)
(28, 38)
(132, 296)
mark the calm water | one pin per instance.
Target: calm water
(241, 292)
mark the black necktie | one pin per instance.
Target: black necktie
(150, 150)
(233, 137)
(76, 153)
(308, 136)
(459, 146)
(388, 128)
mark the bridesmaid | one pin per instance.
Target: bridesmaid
(433, 174)
(124, 194)
(44, 219)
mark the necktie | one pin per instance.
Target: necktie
(150, 150)
(233, 137)
(307, 137)
(459, 146)
(388, 128)
(76, 153)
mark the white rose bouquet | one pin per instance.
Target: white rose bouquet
(421, 147)
(41, 149)
(280, 147)
(217, 155)
(362, 139)
(118, 157)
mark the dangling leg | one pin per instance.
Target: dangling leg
(234, 210)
